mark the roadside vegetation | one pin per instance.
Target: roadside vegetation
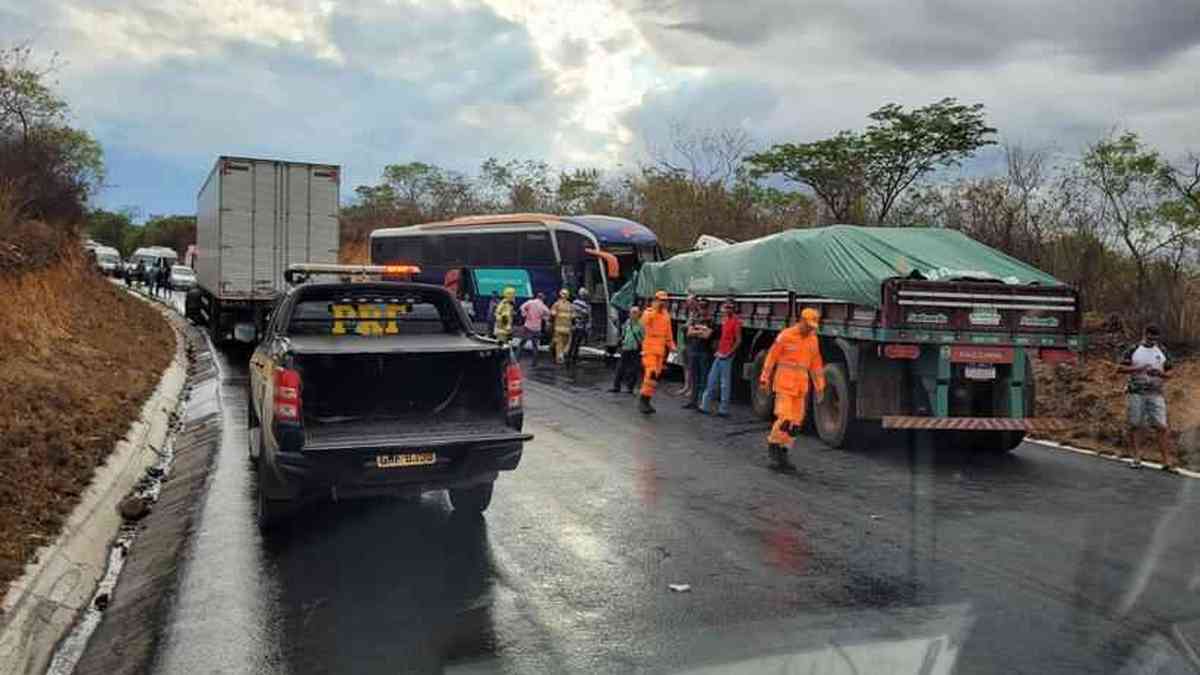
(78, 356)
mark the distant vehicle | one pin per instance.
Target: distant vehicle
(109, 260)
(254, 217)
(922, 328)
(372, 387)
(532, 252)
(183, 278)
(154, 257)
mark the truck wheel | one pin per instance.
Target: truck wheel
(835, 416)
(474, 499)
(762, 401)
(998, 442)
(269, 512)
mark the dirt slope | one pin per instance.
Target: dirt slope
(78, 357)
(1092, 396)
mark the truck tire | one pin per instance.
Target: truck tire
(835, 417)
(474, 499)
(1000, 442)
(762, 401)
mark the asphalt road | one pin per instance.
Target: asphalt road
(887, 558)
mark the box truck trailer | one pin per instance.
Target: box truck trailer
(254, 218)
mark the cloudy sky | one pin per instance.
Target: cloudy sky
(167, 85)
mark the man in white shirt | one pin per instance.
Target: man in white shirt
(1148, 366)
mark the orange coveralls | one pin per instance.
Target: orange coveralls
(794, 358)
(655, 346)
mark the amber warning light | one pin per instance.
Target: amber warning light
(301, 272)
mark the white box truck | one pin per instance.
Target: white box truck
(254, 217)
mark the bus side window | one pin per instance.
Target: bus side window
(536, 250)
(454, 249)
(571, 247)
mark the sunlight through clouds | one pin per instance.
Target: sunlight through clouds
(600, 63)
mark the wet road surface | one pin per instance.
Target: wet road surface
(888, 558)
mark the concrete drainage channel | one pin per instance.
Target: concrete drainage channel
(94, 598)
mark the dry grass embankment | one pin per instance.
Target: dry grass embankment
(78, 358)
(1091, 395)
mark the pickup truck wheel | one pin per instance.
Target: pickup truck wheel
(253, 430)
(835, 416)
(474, 499)
(269, 512)
(762, 401)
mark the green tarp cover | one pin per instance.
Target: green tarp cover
(842, 262)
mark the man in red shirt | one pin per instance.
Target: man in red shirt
(721, 372)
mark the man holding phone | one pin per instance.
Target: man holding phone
(1148, 366)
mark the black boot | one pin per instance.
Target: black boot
(644, 406)
(779, 458)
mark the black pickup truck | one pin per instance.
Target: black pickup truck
(365, 387)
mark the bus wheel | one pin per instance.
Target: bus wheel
(762, 401)
(835, 416)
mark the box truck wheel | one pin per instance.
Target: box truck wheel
(836, 418)
(762, 401)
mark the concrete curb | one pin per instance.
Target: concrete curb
(128, 631)
(41, 606)
(1112, 458)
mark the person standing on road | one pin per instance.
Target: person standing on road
(721, 373)
(581, 325)
(657, 343)
(1148, 366)
(490, 318)
(533, 317)
(631, 346)
(164, 280)
(689, 312)
(699, 353)
(795, 358)
(560, 314)
(502, 317)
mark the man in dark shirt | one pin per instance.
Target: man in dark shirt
(699, 352)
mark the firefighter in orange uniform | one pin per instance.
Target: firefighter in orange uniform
(655, 346)
(795, 358)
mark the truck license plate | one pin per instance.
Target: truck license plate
(980, 372)
(409, 459)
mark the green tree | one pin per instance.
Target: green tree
(110, 227)
(882, 162)
(1149, 213)
(833, 168)
(51, 167)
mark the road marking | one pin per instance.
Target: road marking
(1126, 460)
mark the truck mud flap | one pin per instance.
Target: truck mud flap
(1033, 424)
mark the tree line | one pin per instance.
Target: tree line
(1119, 219)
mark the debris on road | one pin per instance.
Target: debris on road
(134, 507)
(680, 588)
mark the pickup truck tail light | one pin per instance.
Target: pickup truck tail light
(287, 395)
(512, 386)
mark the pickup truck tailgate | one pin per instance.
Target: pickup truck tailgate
(404, 399)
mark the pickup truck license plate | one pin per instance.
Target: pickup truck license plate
(980, 372)
(410, 459)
